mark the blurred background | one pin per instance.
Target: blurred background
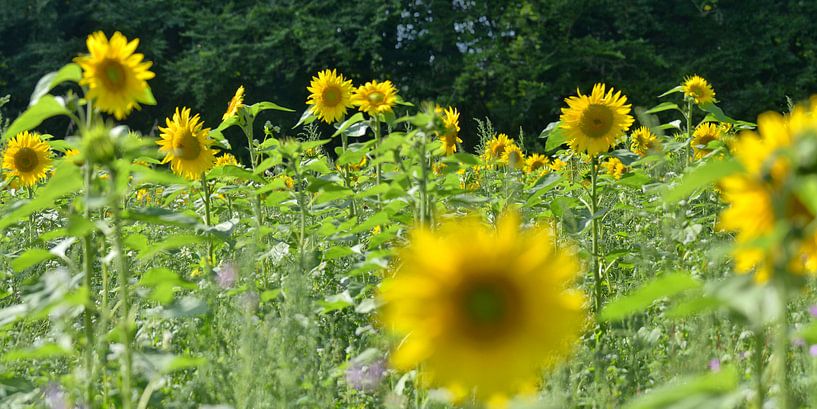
(511, 61)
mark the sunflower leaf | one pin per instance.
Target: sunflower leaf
(46, 107)
(709, 172)
(664, 106)
(69, 72)
(641, 299)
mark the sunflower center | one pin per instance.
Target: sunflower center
(536, 164)
(376, 98)
(187, 147)
(331, 96)
(703, 142)
(487, 307)
(25, 160)
(498, 149)
(798, 212)
(113, 74)
(596, 121)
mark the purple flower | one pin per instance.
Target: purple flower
(813, 351)
(55, 396)
(798, 342)
(365, 377)
(715, 365)
(813, 311)
(226, 275)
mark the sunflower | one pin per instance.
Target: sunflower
(513, 157)
(614, 167)
(643, 141)
(758, 198)
(536, 162)
(450, 138)
(557, 165)
(116, 76)
(496, 146)
(330, 95)
(703, 135)
(594, 122)
(483, 310)
(186, 145)
(235, 103)
(27, 157)
(375, 97)
(698, 89)
(225, 159)
(288, 182)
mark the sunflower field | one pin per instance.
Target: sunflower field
(636, 254)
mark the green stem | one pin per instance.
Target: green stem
(595, 238)
(205, 189)
(689, 133)
(30, 218)
(346, 178)
(760, 391)
(423, 217)
(782, 346)
(302, 206)
(122, 267)
(87, 270)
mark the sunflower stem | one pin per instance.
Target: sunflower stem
(87, 270)
(782, 345)
(423, 181)
(122, 267)
(760, 392)
(30, 218)
(594, 201)
(205, 190)
(688, 149)
(378, 170)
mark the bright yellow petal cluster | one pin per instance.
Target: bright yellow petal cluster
(116, 77)
(643, 141)
(330, 95)
(557, 165)
(27, 157)
(235, 103)
(513, 157)
(703, 135)
(450, 138)
(758, 198)
(186, 145)
(375, 97)
(483, 310)
(496, 146)
(614, 167)
(698, 89)
(225, 159)
(594, 122)
(536, 162)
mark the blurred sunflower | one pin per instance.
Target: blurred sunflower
(594, 122)
(186, 145)
(759, 197)
(116, 77)
(614, 167)
(703, 135)
(225, 159)
(27, 157)
(451, 121)
(330, 95)
(375, 97)
(513, 157)
(536, 162)
(481, 310)
(495, 147)
(643, 141)
(235, 103)
(557, 165)
(698, 89)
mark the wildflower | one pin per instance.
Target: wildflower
(614, 167)
(496, 146)
(365, 376)
(450, 138)
(225, 159)
(235, 103)
(27, 157)
(536, 162)
(513, 157)
(226, 275)
(698, 89)
(186, 145)
(594, 122)
(116, 76)
(704, 133)
(557, 165)
(330, 95)
(483, 309)
(643, 141)
(375, 97)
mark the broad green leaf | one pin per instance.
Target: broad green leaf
(664, 106)
(69, 72)
(29, 258)
(635, 179)
(306, 118)
(641, 299)
(556, 138)
(698, 177)
(172, 242)
(46, 107)
(143, 174)
(66, 180)
(702, 391)
(265, 105)
(347, 123)
(672, 91)
(336, 302)
(45, 351)
(232, 171)
(717, 112)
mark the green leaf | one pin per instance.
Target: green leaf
(44, 351)
(556, 137)
(232, 171)
(69, 72)
(172, 242)
(672, 91)
(634, 179)
(143, 174)
(641, 299)
(266, 105)
(664, 106)
(46, 107)
(347, 123)
(336, 302)
(701, 391)
(66, 180)
(29, 258)
(717, 112)
(306, 118)
(698, 177)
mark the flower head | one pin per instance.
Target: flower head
(557, 165)
(235, 103)
(513, 157)
(496, 146)
(594, 122)
(703, 135)
(450, 137)
(698, 89)
(536, 162)
(643, 141)
(483, 309)
(186, 145)
(614, 167)
(225, 159)
(116, 77)
(330, 95)
(27, 157)
(375, 97)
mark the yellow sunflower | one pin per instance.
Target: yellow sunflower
(330, 95)
(481, 310)
(594, 122)
(186, 145)
(496, 146)
(536, 162)
(235, 103)
(703, 135)
(513, 157)
(450, 139)
(557, 165)
(116, 77)
(614, 167)
(758, 198)
(643, 141)
(27, 157)
(226, 159)
(698, 89)
(375, 97)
